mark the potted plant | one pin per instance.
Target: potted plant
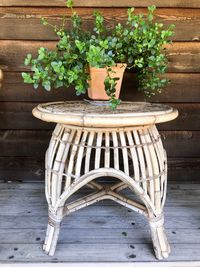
(95, 60)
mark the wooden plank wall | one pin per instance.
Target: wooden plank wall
(23, 139)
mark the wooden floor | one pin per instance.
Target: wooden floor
(104, 232)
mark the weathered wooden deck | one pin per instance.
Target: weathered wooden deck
(104, 232)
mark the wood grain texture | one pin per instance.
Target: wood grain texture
(183, 57)
(93, 222)
(32, 169)
(101, 236)
(68, 253)
(104, 3)
(188, 119)
(35, 190)
(18, 115)
(96, 233)
(34, 143)
(177, 91)
(29, 27)
(14, 89)
(184, 61)
(18, 167)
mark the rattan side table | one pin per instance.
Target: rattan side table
(91, 142)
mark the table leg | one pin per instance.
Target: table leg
(159, 238)
(52, 233)
(55, 164)
(158, 165)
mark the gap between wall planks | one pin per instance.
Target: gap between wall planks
(9, 16)
(33, 143)
(104, 3)
(18, 115)
(31, 168)
(183, 56)
(14, 90)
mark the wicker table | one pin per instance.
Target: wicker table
(91, 142)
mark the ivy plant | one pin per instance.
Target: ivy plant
(139, 43)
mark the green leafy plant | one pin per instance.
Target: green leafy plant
(139, 43)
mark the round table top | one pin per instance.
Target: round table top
(82, 113)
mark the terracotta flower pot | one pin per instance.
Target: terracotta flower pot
(96, 90)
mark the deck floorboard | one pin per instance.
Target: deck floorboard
(104, 232)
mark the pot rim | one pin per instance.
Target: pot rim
(119, 67)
